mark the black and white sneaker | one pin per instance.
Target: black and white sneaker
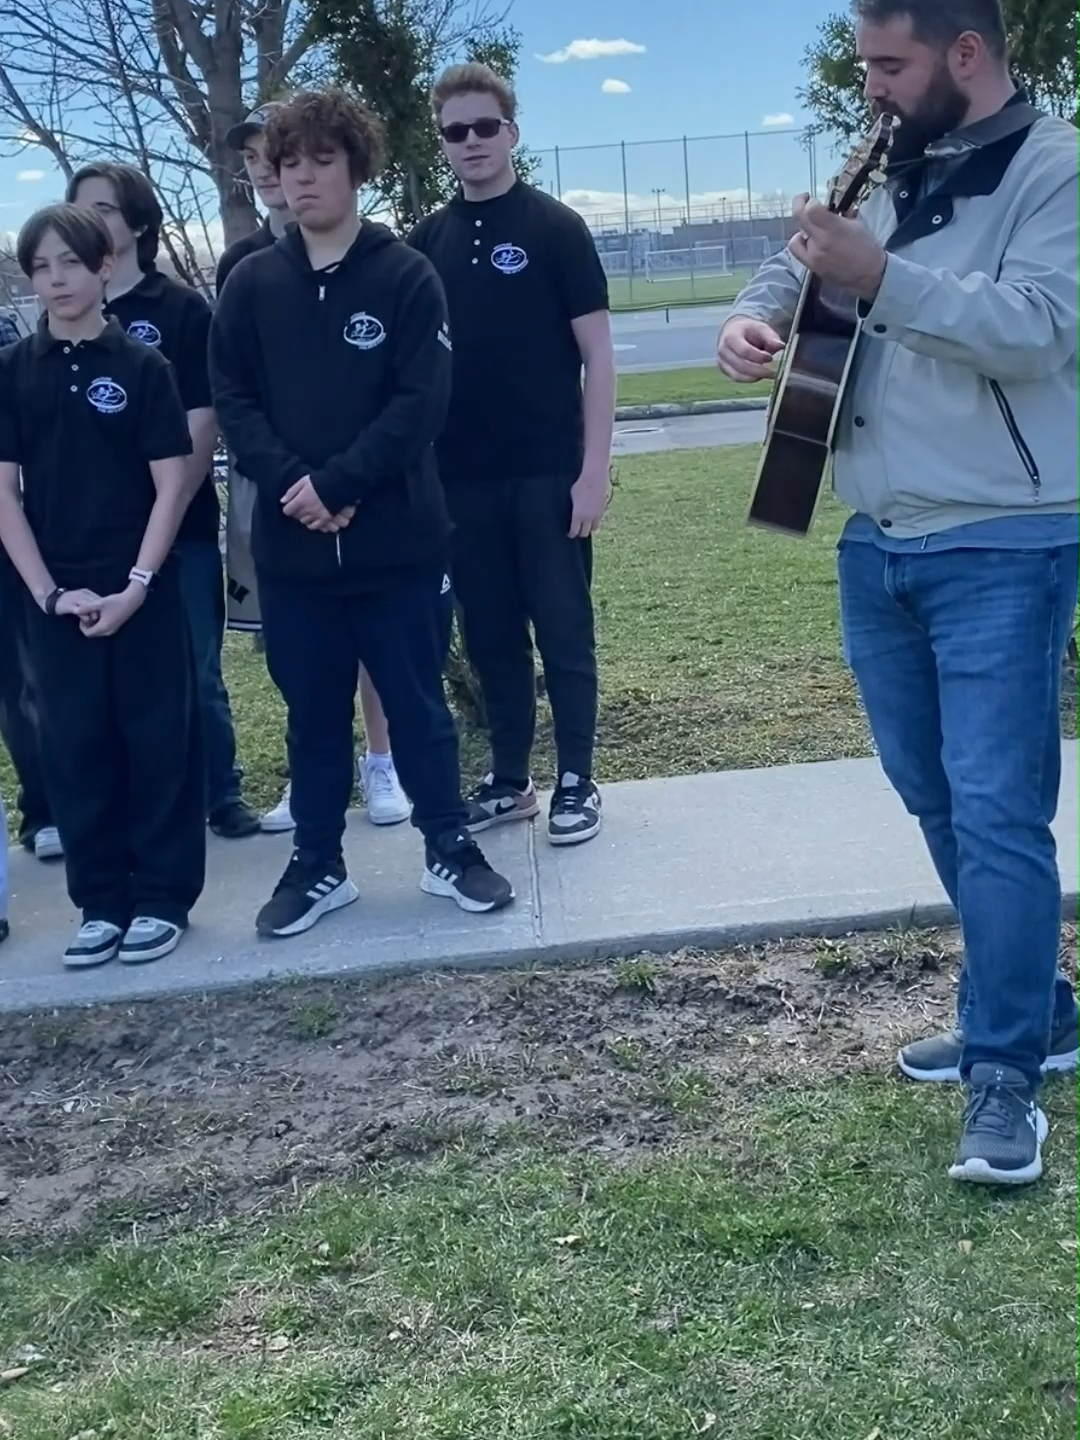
(148, 939)
(576, 811)
(96, 942)
(493, 803)
(1004, 1129)
(455, 869)
(306, 892)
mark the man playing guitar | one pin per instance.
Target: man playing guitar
(957, 449)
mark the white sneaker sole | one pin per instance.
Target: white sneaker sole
(275, 824)
(144, 957)
(575, 837)
(1062, 1064)
(978, 1172)
(389, 817)
(49, 850)
(444, 890)
(506, 817)
(344, 895)
(91, 962)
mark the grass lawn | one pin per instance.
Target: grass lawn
(681, 387)
(718, 644)
(642, 294)
(661, 1199)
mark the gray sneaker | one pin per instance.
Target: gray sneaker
(1003, 1130)
(937, 1059)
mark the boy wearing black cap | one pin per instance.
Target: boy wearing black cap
(351, 533)
(95, 422)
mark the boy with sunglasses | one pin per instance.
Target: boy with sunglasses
(525, 456)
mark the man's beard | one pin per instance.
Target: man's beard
(941, 109)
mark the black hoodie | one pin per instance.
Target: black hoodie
(342, 375)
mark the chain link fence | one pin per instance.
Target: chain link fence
(685, 220)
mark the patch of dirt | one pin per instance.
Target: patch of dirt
(173, 1109)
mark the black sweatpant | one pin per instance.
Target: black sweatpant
(18, 708)
(122, 757)
(315, 643)
(514, 562)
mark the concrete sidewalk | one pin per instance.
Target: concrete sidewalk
(704, 860)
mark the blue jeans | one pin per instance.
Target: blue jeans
(957, 655)
(202, 582)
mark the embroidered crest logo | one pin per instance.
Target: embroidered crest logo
(364, 331)
(106, 396)
(509, 259)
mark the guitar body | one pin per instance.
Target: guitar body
(802, 417)
(809, 388)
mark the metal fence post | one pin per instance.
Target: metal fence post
(749, 190)
(558, 175)
(686, 179)
(626, 222)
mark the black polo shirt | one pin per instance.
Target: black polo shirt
(84, 420)
(260, 239)
(175, 319)
(517, 270)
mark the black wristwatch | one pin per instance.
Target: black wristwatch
(53, 599)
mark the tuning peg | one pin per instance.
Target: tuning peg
(878, 177)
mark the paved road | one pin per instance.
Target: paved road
(690, 432)
(647, 340)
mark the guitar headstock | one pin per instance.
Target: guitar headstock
(865, 168)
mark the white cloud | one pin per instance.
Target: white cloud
(592, 50)
(780, 118)
(30, 177)
(608, 206)
(615, 87)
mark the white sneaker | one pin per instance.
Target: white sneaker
(47, 844)
(387, 803)
(96, 942)
(148, 939)
(280, 819)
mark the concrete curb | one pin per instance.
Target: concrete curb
(692, 407)
(561, 954)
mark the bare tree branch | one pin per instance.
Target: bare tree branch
(158, 83)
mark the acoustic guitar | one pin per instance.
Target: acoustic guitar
(809, 388)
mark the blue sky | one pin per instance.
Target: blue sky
(735, 67)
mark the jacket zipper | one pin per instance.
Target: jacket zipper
(1023, 450)
(337, 538)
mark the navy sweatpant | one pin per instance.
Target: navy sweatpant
(315, 643)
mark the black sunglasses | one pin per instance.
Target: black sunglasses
(484, 129)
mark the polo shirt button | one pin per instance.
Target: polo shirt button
(859, 421)
(886, 524)
(74, 389)
(903, 194)
(880, 329)
(67, 349)
(479, 223)
(937, 219)
(475, 261)
(74, 367)
(476, 241)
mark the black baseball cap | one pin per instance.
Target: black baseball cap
(253, 124)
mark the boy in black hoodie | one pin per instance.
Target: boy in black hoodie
(330, 367)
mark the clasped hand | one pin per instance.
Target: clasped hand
(301, 502)
(101, 615)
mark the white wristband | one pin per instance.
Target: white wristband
(144, 577)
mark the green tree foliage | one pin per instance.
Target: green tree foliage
(1043, 44)
(390, 52)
